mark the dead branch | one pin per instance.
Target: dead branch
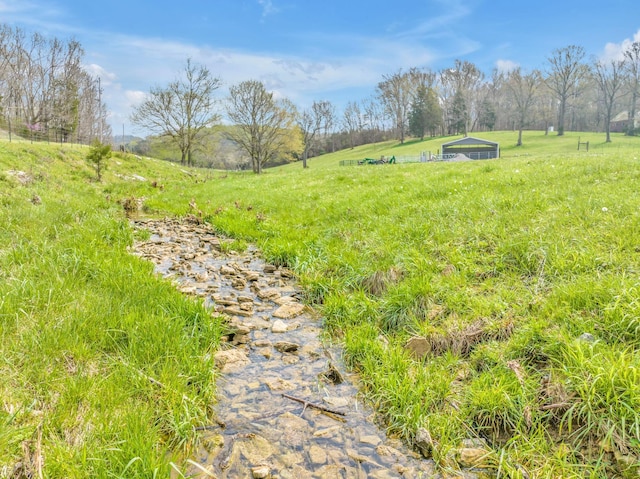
(319, 407)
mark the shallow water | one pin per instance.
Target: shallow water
(274, 360)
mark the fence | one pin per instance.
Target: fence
(422, 158)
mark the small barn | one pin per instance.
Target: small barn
(621, 123)
(474, 148)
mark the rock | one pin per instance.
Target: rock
(252, 276)
(285, 273)
(267, 353)
(261, 472)
(587, 338)
(268, 293)
(231, 311)
(356, 456)
(317, 455)
(329, 431)
(286, 347)
(371, 440)
(257, 450)
(473, 457)
(332, 375)
(245, 299)
(336, 401)
(278, 384)
(238, 283)
(231, 360)
(424, 443)
(289, 310)
(284, 300)
(247, 307)
(227, 270)
(279, 327)
(241, 339)
(269, 268)
(419, 347)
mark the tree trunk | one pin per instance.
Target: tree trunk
(519, 136)
(561, 113)
(632, 114)
(304, 158)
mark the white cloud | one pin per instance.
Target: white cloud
(107, 78)
(614, 51)
(506, 66)
(267, 7)
(135, 97)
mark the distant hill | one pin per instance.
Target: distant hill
(117, 139)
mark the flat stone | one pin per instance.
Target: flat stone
(269, 293)
(227, 270)
(289, 310)
(279, 327)
(269, 268)
(230, 360)
(278, 384)
(371, 440)
(317, 455)
(286, 346)
(419, 347)
(260, 472)
(329, 431)
(284, 300)
(257, 449)
(252, 276)
(231, 311)
(336, 401)
(473, 457)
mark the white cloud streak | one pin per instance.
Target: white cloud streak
(614, 51)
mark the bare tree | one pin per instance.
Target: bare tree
(396, 95)
(182, 109)
(44, 88)
(352, 121)
(311, 122)
(565, 70)
(265, 128)
(609, 78)
(522, 89)
(632, 65)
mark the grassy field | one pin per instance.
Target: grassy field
(518, 277)
(98, 378)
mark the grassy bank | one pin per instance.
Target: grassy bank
(105, 369)
(519, 276)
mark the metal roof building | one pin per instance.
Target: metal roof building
(474, 148)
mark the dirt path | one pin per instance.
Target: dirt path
(271, 365)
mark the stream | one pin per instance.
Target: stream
(286, 406)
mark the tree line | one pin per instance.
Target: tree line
(570, 92)
(45, 93)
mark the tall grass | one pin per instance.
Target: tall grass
(100, 378)
(502, 266)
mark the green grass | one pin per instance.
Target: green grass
(99, 378)
(500, 265)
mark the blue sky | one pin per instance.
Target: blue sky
(315, 50)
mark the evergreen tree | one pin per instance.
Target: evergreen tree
(419, 113)
(458, 113)
(433, 112)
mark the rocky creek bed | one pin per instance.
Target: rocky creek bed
(286, 407)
